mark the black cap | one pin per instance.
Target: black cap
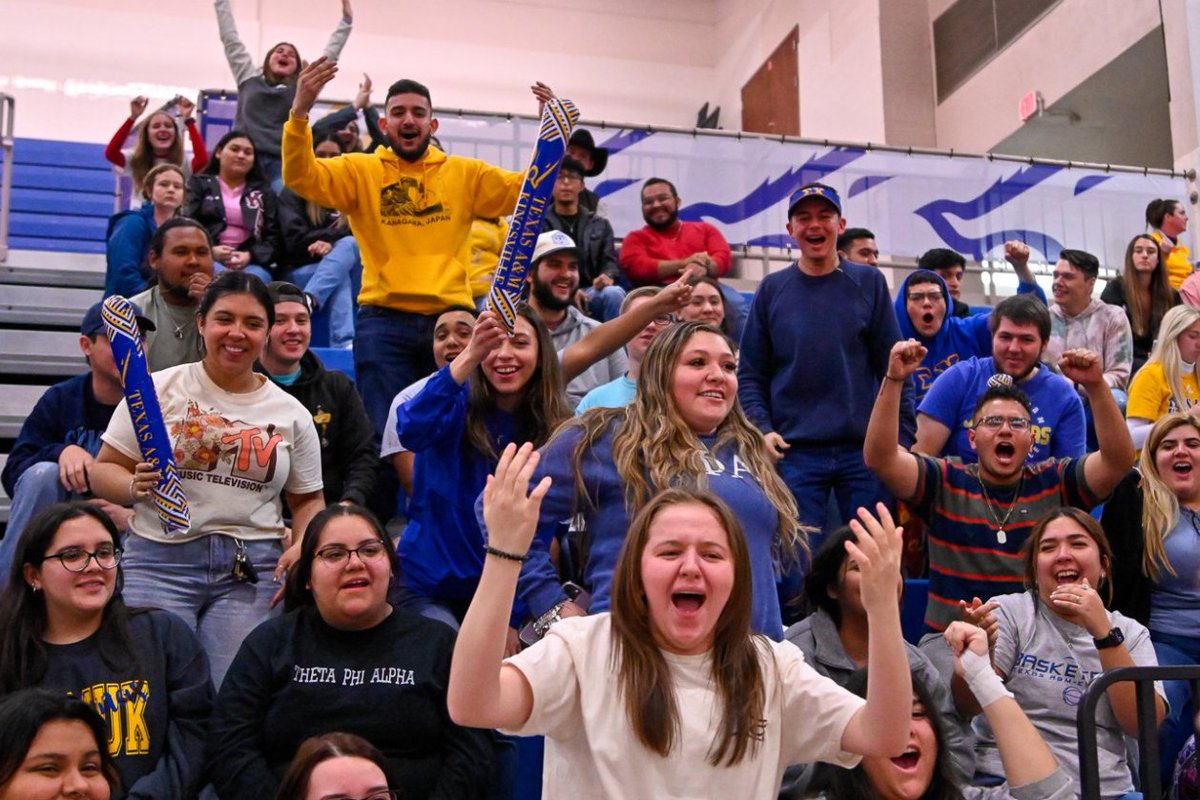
(284, 292)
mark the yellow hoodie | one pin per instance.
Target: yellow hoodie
(411, 220)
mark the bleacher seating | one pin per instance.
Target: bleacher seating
(62, 196)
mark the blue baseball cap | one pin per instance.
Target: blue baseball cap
(93, 322)
(826, 193)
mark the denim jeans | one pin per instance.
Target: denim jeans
(335, 281)
(194, 580)
(812, 472)
(1173, 650)
(37, 488)
(391, 350)
(253, 269)
(604, 304)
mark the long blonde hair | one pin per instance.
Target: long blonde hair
(654, 449)
(1166, 351)
(143, 156)
(1160, 506)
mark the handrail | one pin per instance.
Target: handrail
(1085, 722)
(7, 113)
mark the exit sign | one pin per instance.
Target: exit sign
(1029, 105)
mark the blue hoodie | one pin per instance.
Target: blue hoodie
(958, 339)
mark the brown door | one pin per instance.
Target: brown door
(771, 98)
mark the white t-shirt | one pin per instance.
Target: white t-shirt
(390, 445)
(236, 452)
(592, 752)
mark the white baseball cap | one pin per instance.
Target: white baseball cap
(553, 242)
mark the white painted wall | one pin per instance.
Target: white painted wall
(841, 72)
(73, 64)
(1074, 40)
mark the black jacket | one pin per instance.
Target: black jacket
(260, 215)
(349, 458)
(298, 232)
(593, 236)
(1122, 523)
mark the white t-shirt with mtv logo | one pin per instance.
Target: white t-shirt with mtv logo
(236, 454)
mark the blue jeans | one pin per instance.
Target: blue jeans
(194, 580)
(272, 167)
(604, 304)
(812, 472)
(253, 269)
(1173, 650)
(391, 350)
(335, 281)
(36, 489)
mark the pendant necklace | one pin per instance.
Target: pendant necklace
(1001, 535)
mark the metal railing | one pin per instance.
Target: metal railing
(1085, 721)
(7, 112)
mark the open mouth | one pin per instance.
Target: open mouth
(1005, 449)
(1182, 468)
(927, 317)
(816, 239)
(357, 583)
(1067, 576)
(713, 395)
(687, 602)
(907, 760)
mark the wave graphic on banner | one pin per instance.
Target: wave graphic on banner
(997, 195)
(774, 190)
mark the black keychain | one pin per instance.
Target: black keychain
(243, 570)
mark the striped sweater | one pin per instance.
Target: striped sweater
(967, 555)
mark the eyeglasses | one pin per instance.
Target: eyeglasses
(76, 559)
(389, 794)
(921, 297)
(997, 422)
(664, 319)
(335, 556)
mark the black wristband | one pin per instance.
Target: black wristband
(507, 556)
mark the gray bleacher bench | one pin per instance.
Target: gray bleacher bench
(15, 404)
(40, 353)
(39, 305)
(39, 268)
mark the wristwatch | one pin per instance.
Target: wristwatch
(1114, 637)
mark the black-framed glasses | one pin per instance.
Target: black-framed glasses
(995, 423)
(335, 555)
(76, 559)
(921, 297)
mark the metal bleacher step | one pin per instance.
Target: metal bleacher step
(53, 353)
(39, 305)
(59, 269)
(16, 401)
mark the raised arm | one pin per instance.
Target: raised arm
(1104, 469)
(881, 726)
(605, 339)
(328, 181)
(484, 692)
(113, 152)
(1017, 254)
(337, 39)
(1025, 755)
(240, 63)
(895, 466)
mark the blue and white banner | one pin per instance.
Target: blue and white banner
(911, 202)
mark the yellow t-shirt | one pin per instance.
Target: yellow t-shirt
(1179, 260)
(1150, 396)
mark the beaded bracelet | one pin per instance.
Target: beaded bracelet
(495, 551)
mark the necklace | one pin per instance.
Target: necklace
(179, 331)
(1001, 536)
